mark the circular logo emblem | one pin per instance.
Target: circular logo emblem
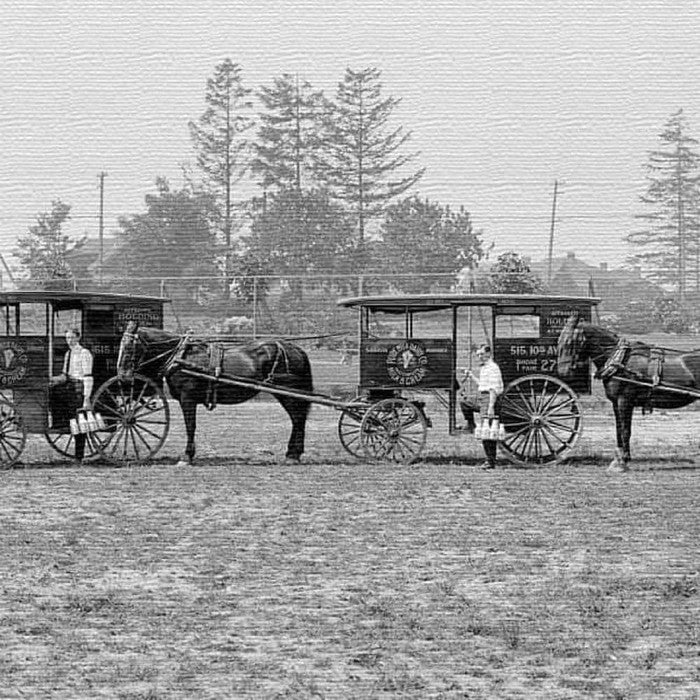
(13, 363)
(407, 363)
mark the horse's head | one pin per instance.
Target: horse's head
(570, 347)
(130, 351)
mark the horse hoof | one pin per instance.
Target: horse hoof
(292, 460)
(617, 468)
(183, 463)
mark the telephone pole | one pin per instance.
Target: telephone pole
(551, 234)
(102, 176)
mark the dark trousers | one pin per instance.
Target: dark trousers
(490, 449)
(66, 399)
(468, 413)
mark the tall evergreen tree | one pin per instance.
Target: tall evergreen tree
(671, 240)
(42, 251)
(222, 148)
(288, 134)
(361, 157)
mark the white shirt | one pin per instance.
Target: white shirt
(490, 378)
(77, 364)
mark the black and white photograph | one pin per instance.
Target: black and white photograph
(350, 350)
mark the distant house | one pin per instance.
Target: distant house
(616, 287)
(84, 260)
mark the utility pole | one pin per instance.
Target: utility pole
(102, 176)
(551, 234)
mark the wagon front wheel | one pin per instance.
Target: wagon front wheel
(542, 419)
(394, 430)
(13, 434)
(136, 417)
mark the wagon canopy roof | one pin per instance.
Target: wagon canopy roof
(41, 297)
(431, 302)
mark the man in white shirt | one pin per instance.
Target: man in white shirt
(77, 383)
(490, 384)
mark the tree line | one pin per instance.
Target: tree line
(286, 181)
(290, 181)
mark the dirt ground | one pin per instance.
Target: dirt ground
(246, 577)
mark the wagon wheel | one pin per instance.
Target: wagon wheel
(394, 430)
(349, 426)
(542, 419)
(64, 444)
(136, 416)
(13, 434)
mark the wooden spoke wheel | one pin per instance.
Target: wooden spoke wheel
(542, 419)
(394, 430)
(64, 444)
(349, 426)
(13, 434)
(136, 416)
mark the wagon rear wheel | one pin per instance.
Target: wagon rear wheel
(394, 430)
(136, 416)
(542, 419)
(349, 426)
(64, 444)
(13, 434)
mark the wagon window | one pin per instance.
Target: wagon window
(517, 326)
(65, 319)
(32, 319)
(8, 319)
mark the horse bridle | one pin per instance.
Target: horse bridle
(137, 340)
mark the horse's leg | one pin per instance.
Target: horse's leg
(298, 411)
(619, 463)
(189, 414)
(627, 410)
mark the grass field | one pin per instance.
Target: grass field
(245, 577)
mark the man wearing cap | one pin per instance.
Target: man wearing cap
(77, 382)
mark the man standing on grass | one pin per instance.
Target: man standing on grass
(76, 383)
(490, 385)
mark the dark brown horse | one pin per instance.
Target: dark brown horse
(634, 375)
(159, 354)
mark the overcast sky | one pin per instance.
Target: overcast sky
(502, 99)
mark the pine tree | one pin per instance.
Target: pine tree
(221, 146)
(671, 241)
(288, 134)
(361, 153)
(42, 251)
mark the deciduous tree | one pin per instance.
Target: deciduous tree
(301, 233)
(510, 274)
(174, 237)
(42, 251)
(420, 237)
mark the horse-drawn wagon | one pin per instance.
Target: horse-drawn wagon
(410, 347)
(415, 344)
(32, 350)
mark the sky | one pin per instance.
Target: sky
(501, 99)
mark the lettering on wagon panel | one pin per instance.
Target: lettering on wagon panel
(407, 363)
